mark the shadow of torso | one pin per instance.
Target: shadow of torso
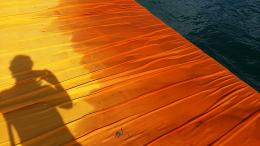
(30, 110)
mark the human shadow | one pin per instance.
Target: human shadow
(30, 106)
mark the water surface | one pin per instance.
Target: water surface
(227, 30)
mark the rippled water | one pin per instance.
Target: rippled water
(228, 30)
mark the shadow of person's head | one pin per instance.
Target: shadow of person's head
(20, 66)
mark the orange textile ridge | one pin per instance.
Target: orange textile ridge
(108, 73)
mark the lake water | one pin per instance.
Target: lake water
(227, 30)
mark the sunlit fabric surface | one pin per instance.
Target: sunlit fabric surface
(108, 73)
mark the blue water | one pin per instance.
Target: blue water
(227, 30)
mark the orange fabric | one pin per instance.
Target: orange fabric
(143, 84)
